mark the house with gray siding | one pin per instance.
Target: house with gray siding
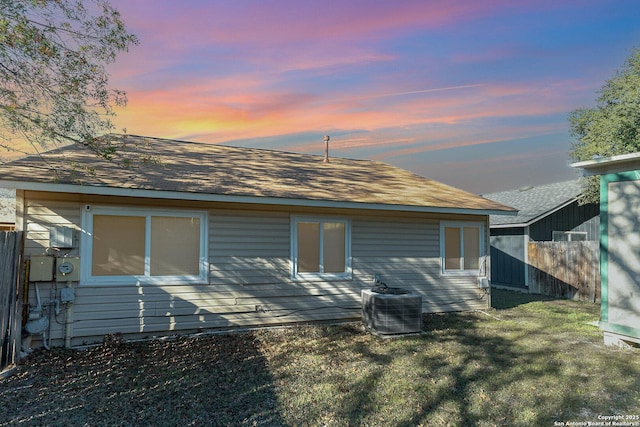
(619, 246)
(549, 212)
(194, 236)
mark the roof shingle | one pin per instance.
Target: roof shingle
(203, 168)
(534, 202)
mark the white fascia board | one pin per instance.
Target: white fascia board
(603, 165)
(207, 197)
(510, 225)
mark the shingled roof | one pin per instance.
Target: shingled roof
(201, 171)
(534, 202)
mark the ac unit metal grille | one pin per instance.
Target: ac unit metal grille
(390, 314)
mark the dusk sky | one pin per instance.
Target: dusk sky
(473, 93)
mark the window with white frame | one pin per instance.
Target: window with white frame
(320, 248)
(124, 246)
(461, 247)
(569, 236)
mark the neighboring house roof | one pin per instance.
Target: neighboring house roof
(534, 203)
(7, 206)
(211, 172)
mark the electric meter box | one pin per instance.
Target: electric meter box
(41, 269)
(68, 269)
(61, 237)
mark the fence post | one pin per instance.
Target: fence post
(10, 307)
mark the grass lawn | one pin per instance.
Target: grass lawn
(524, 363)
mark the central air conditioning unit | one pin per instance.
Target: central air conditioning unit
(391, 311)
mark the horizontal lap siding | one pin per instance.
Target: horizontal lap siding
(249, 285)
(249, 276)
(44, 215)
(249, 256)
(406, 254)
(245, 248)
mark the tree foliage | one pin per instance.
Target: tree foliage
(612, 127)
(53, 81)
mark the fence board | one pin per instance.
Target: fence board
(10, 251)
(565, 269)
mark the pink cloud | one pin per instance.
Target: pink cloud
(283, 35)
(248, 108)
(269, 22)
(384, 78)
(258, 101)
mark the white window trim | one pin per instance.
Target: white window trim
(295, 275)
(86, 247)
(569, 235)
(461, 224)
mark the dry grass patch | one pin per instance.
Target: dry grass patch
(533, 363)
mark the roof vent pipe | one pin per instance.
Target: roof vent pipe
(326, 149)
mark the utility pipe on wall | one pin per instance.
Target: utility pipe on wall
(68, 312)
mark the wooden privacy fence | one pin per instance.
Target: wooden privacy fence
(565, 269)
(10, 250)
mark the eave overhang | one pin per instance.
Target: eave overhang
(621, 163)
(238, 199)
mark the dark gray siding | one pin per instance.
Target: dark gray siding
(570, 218)
(507, 257)
(507, 244)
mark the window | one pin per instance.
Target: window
(461, 247)
(569, 236)
(121, 246)
(320, 248)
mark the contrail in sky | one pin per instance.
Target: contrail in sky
(439, 89)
